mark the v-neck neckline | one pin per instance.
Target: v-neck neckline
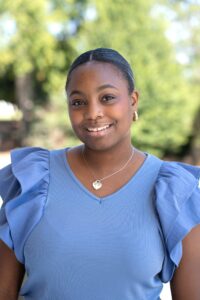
(107, 197)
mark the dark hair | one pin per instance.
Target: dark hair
(105, 55)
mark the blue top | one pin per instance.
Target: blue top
(75, 245)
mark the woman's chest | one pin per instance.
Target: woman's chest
(111, 238)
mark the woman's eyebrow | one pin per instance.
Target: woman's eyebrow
(105, 86)
(101, 87)
(75, 92)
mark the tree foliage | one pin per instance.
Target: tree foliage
(34, 57)
(186, 20)
(50, 33)
(34, 48)
(133, 28)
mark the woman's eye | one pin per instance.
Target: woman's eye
(108, 98)
(77, 103)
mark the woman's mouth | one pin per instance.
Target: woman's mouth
(98, 130)
(94, 129)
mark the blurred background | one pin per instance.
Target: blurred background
(161, 40)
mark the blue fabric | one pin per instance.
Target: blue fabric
(178, 206)
(23, 188)
(46, 213)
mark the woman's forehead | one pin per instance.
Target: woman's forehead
(97, 71)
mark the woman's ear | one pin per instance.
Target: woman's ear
(134, 100)
(134, 104)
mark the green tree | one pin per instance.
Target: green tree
(34, 58)
(48, 34)
(137, 30)
(187, 15)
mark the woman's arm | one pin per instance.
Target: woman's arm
(185, 284)
(11, 274)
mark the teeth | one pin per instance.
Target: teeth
(98, 129)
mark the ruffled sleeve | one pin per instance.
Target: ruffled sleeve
(23, 189)
(178, 207)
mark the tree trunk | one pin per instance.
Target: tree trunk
(24, 99)
(195, 143)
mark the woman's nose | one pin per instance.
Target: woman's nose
(94, 110)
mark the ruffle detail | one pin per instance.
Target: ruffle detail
(177, 196)
(23, 188)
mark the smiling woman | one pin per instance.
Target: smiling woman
(101, 103)
(102, 220)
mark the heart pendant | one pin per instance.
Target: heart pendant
(97, 184)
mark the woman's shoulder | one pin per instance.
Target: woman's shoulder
(177, 201)
(23, 189)
(29, 154)
(177, 179)
(178, 170)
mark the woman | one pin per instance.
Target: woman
(102, 220)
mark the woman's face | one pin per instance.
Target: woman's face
(101, 108)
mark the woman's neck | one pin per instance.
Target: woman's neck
(105, 161)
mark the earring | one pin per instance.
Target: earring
(136, 117)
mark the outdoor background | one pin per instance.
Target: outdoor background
(161, 40)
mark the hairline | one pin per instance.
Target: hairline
(98, 61)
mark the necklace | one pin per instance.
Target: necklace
(97, 184)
